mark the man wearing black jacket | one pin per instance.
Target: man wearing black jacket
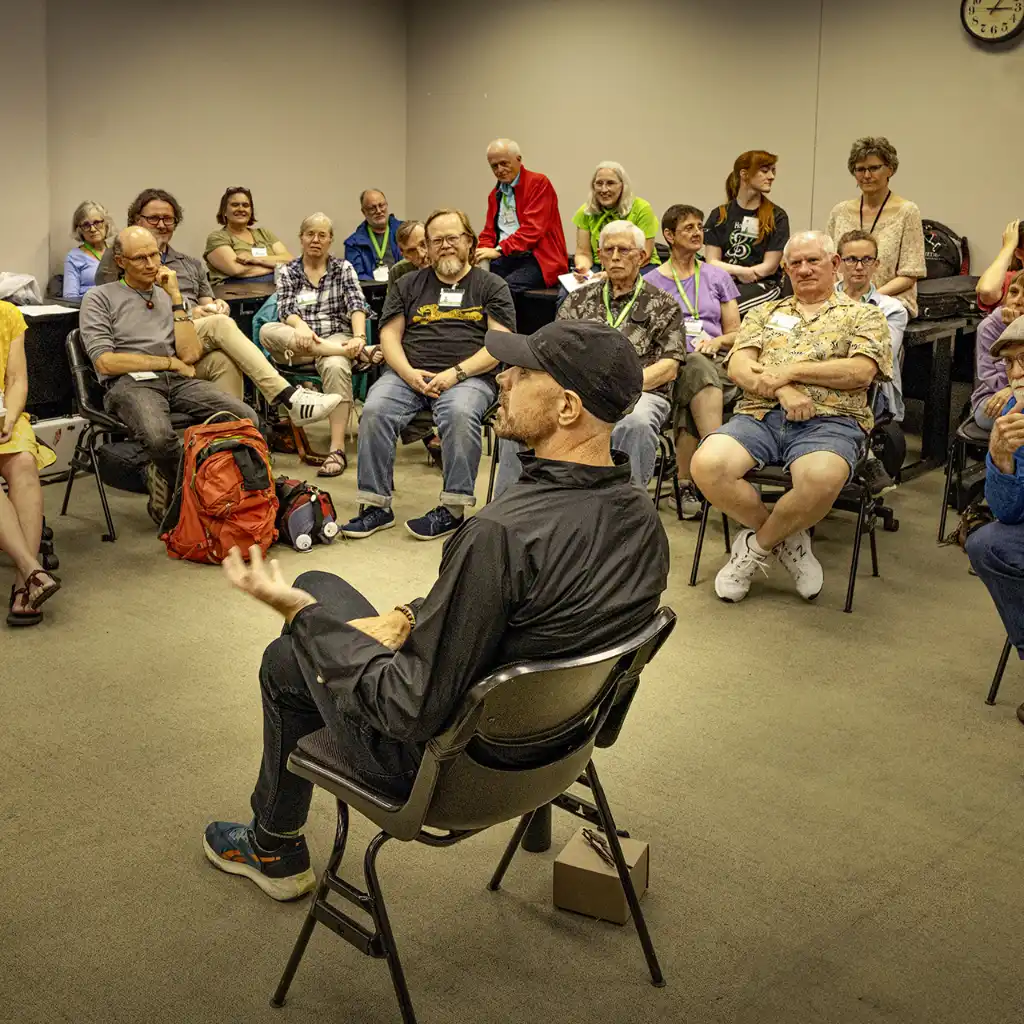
(568, 560)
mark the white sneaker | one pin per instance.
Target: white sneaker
(733, 579)
(795, 554)
(307, 406)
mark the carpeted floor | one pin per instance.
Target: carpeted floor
(834, 814)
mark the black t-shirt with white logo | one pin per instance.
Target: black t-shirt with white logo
(737, 237)
(438, 332)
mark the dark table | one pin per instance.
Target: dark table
(51, 391)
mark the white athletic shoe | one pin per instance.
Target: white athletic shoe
(795, 554)
(733, 579)
(307, 406)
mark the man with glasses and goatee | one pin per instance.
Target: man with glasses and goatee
(432, 332)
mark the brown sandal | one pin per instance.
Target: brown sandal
(334, 465)
(30, 618)
(34, 579)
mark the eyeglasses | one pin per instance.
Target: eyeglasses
(316, 236)
(1018, 359)
(88, 225)
(443, 241)
(617, 250)
(868, 169)
(156, 221)
(862, 261)
(376, 208)
(143, 258)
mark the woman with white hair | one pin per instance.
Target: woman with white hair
(611, 199)
(92, 228)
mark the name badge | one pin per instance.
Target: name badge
(783, 321)
(694, 327)
(259, 250)
(143, 375)
(306, 298)
(451, 298)
(750, 226)
(380, 273)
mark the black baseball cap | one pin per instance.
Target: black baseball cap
(587, 357)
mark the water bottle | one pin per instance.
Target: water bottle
(329, 532)
(303, 542)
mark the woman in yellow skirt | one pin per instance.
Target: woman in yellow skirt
(21, 458)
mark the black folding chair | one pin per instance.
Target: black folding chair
(997, 679)
(521, 737)
(963, 485)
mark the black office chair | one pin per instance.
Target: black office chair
(522, 736)
(963, 484)
(100, 426)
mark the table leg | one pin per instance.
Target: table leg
(935, 429)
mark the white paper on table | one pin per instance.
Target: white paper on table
(569, 282)
(46, 310)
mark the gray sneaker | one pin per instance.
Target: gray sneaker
(690, 504)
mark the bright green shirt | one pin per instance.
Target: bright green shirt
(640, 214)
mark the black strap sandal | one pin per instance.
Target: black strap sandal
(30, 618)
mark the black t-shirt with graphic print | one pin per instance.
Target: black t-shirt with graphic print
(439, 335)
(736, 242)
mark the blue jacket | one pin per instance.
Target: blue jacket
(1004, 492)
(359, 250)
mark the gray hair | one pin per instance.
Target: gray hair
(828, 247)
(366, 192)
(512, 148)
(623, 227)
(625, 203)
(316, 216)
(873, 145)
(81, 211)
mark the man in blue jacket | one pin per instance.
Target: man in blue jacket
(373, 247)
(997, 550)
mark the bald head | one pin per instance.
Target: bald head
(136, 252)
(505, 159)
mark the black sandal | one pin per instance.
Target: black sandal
(337, 462)
(31, 618)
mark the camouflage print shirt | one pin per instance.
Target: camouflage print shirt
(840, 329)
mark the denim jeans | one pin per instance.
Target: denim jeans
(997, 554)
(292, 709)
(145, 407)
(635, 434)
(458, 412)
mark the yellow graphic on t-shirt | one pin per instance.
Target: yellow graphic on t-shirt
(432, 313)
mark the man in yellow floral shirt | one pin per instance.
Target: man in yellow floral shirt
(805, 364)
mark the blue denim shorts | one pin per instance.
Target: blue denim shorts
(776, 441)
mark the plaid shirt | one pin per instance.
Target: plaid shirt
(338, 296)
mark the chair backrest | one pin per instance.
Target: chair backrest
(525, 733)
(88, 390)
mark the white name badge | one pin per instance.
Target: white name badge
(694, 327)
(143, 375)
(259, 250)
(750, 226)
(306, 298)
(380, 273)
(451, 298)
(783, 321)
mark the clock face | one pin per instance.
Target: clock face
(992, 21)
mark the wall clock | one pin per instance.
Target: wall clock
(992, 21)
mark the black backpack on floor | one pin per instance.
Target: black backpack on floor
(946, 254)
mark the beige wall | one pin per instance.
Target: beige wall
(301, 101)
(24, 171)
(905, 70)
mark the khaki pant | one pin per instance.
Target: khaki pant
(335, 371)
(228, 354)
(697, 373)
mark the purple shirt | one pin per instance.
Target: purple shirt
(716, 287)
(991, 373)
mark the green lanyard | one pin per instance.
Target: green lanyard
(380, 249)
(595, 231)
(696, 289)
(629, 305)
(89, 248)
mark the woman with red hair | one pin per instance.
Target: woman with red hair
(746, 235)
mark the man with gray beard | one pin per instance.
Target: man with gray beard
(432, 332)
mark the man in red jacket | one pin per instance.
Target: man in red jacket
(523, 235)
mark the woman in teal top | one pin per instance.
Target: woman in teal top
(611, 198)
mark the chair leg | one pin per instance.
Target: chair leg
(874, 550)
(953, 453)
(510, 851)
(338, 851)
(611, 835)
(1000, 669)
(855, 558)
(494, 470)
(110, 535)
(379, 912)
(659, 481)
(78, 461)
(704, 513)
(725, 530)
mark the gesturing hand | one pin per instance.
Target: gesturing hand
(265, 582)
(1011, 234)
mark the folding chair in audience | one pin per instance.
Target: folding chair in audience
(997, 679)
(520, 738)
(963, 485)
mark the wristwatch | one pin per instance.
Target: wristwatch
(460, 373)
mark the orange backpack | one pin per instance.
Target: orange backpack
(224, 496)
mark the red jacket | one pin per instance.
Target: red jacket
(540, 225)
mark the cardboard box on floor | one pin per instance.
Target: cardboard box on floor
(585, 884)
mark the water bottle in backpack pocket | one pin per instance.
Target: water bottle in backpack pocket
(305, 515)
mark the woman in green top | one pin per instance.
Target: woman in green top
(238, 250)
(611, 198)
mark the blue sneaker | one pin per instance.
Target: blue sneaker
(371, 518)
(437, 523)
(283, 874)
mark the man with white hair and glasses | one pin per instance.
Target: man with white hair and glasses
(805, 364)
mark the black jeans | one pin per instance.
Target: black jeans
(521, 271)
(292, 709)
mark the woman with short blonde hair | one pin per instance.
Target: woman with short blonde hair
(92, 228)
